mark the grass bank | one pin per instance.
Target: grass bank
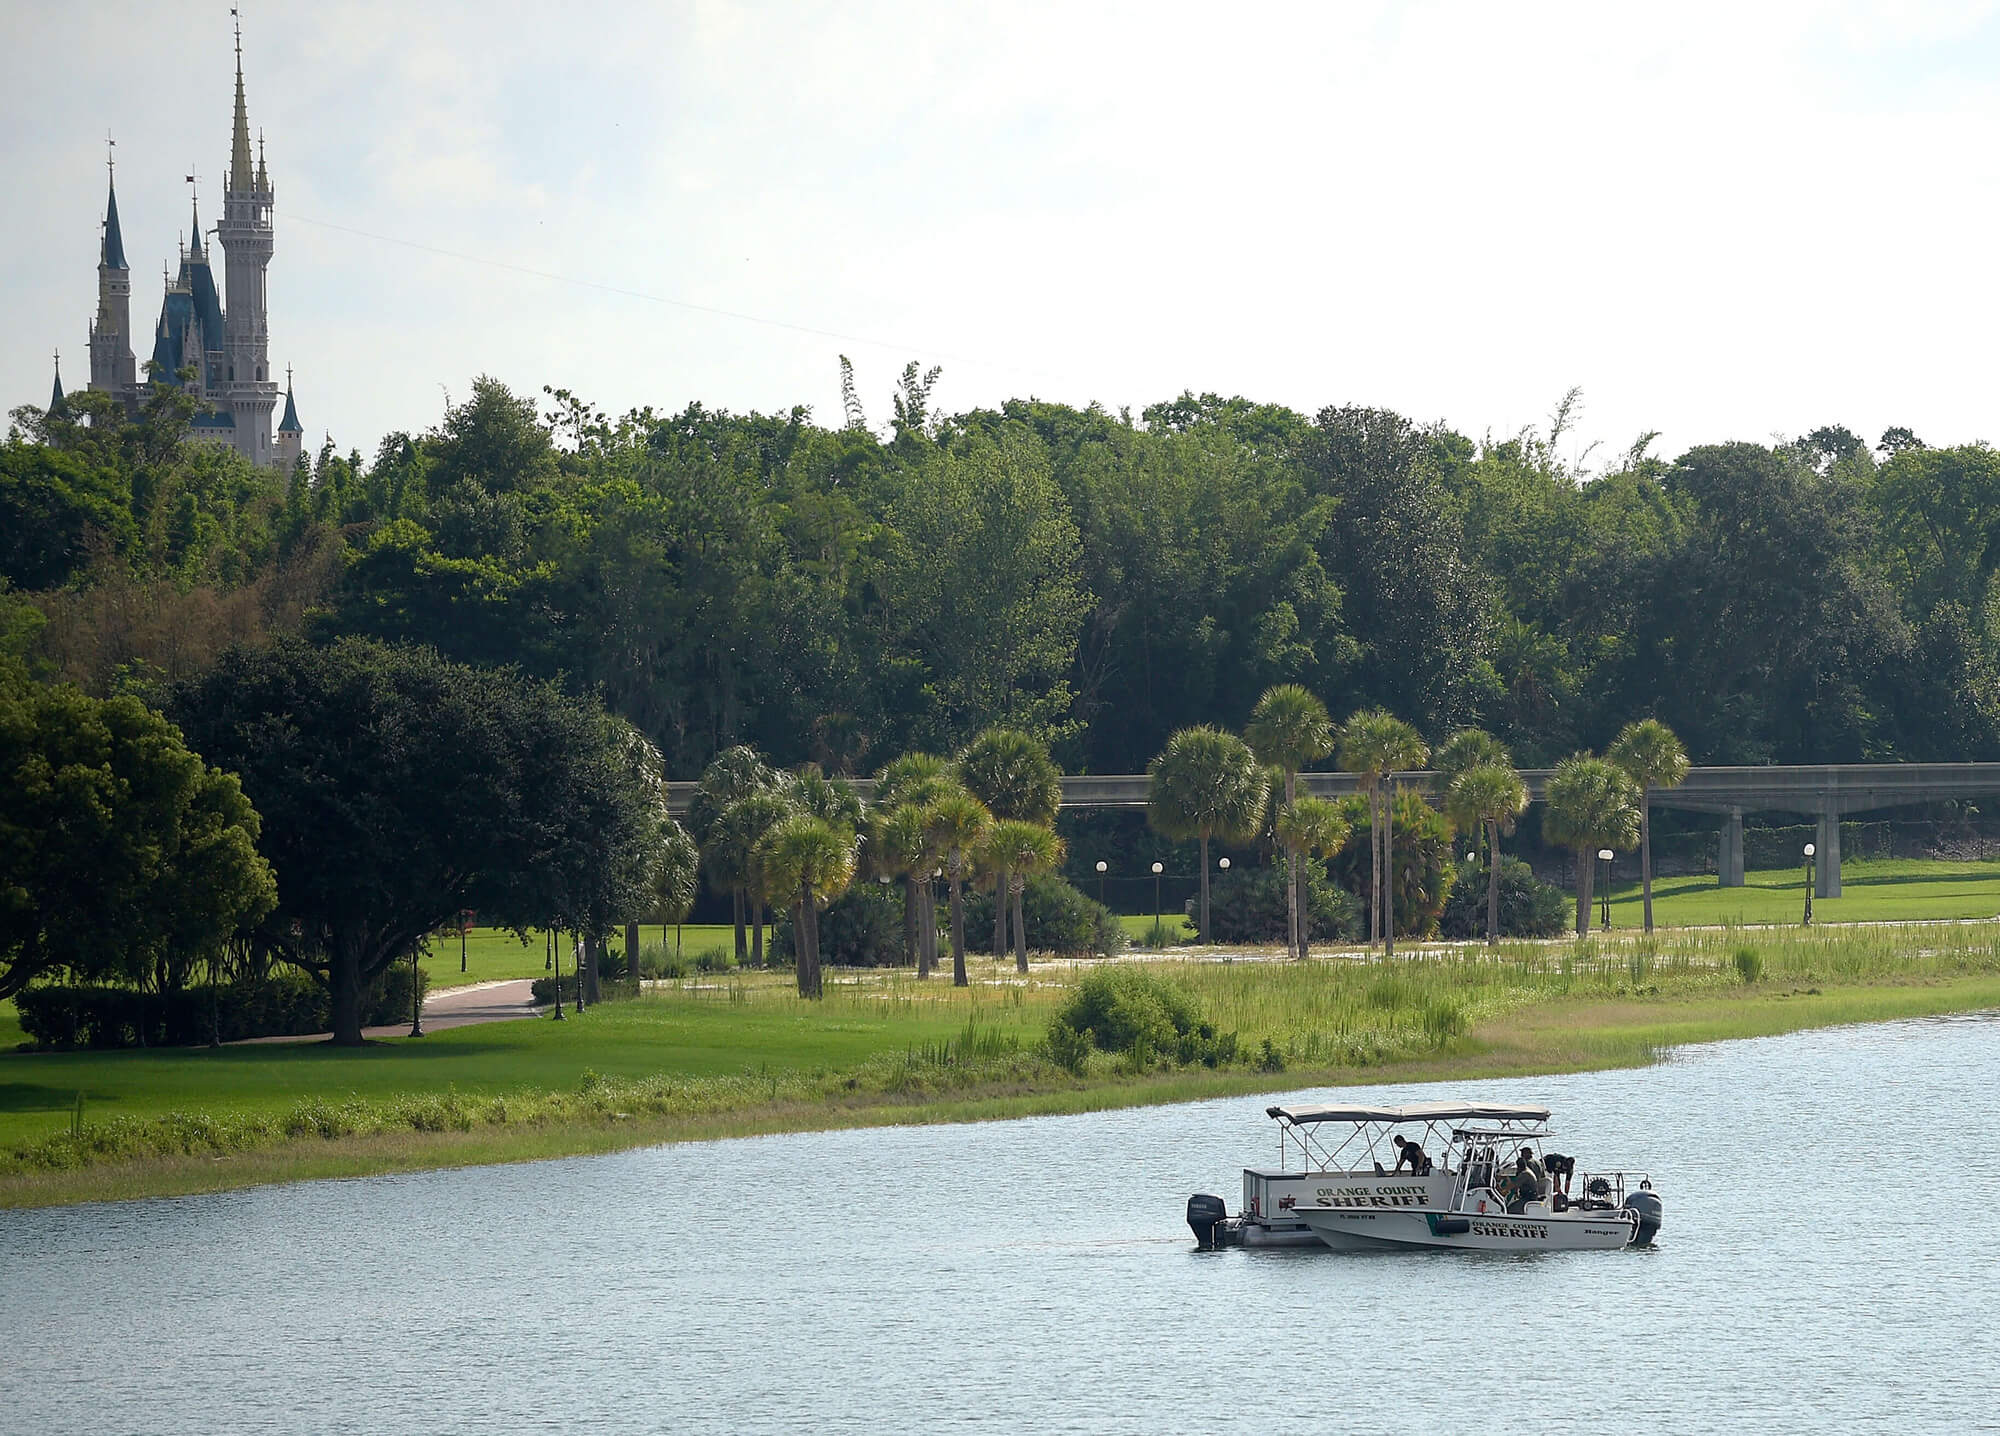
(741, 1054)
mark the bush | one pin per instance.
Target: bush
(1059, 919)
(542, 991)
(1528, 908)
(863, 927)
(1130, 1010)
(1420, 867)
(1250, 906)
(284, 1004)
(1749, 964)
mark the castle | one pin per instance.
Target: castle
(222, 336)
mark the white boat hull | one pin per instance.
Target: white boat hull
(1388, 1228)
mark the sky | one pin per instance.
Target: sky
(1720, 221)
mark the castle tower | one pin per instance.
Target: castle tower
(245, 391)
(59, 403)
(291, 436)
(112, 367)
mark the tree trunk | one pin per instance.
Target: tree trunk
(593, 994)
(801, 946)
(1291, 878)
(926, 929)
(1646, 850)
(958, 977)
(1389, 870)
(344, 988)
(1207, 932)
(1374, 866)
(757, 933)
(912, 952)
(1020, 927)
(736, 914)
(1584, 860)
(812, 941)
(1002, 891)
(1492, 884)
(632, 954)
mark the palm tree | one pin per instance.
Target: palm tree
(1487, 795)
(1592, 804)
(810, 861)
(730, 855)
(1205, 784)
(1374, 744)
(676, 880)
(1020, 850)
(914, 780)
(1318, 827)
(1013, 775)
(1288, 729)
(1653, 757)
(732, 775)
(899, 848)
(1469, 748)
(957, 824)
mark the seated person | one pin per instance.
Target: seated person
(1409, 1152)
(1530, 1182)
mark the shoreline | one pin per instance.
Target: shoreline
(1571, 1034)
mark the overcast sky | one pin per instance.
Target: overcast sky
(1721, 220)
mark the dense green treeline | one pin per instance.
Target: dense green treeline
(1097, 580)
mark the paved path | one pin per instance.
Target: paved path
(453, 1007)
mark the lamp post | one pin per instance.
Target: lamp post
(416, 998)
(462, 916)
(549, 963)
(1812, 877)
(1102, 867)
(1604, 856)
(1222, 863)
(1158, 868)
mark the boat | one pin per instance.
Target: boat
(1438, 1175)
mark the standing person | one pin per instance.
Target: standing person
(1412, 1154)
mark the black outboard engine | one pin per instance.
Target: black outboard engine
(1645, 1204)
(1205, 1214)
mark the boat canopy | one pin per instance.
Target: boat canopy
(1414, 1112)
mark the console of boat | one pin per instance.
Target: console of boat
(1429, 1174)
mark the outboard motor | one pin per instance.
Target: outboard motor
(1204, 1215)
(1645, 1204)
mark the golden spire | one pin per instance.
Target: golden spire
(241, 177)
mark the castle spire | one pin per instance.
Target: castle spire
(58, 405)
(241, 176)
(194, 246)
(112, 255)
(263, 175)
(290, 423)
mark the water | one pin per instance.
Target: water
(1827, 1264)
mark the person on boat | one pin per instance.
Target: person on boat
(1529, 1183)
(1410, 1154)
(1561, 1169)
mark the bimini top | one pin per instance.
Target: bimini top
(1415, 1112)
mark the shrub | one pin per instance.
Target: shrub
(1749, 964)
(1140, 1014)
(863, 927)
(1420, 867)
(1068, 1048)
(1058, 918)
(542, 991)
(1528, 908)
(715, 959)
(288, 1003)
(1250, 906)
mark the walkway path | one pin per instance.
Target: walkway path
(453, 1007)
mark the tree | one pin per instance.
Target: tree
(1017, 851)
(1488, 795)
(121, 852)
(732, 775)
(1315, 826)
(1374, 744)
(398, 790)
(676, 881)
(731, 859)
(1205, 784)
(1592, 804)
(899, 848)
(1012, 774)
(1288, 729)
(1653, 758)
(957, 824)
(913, 781)
(810, 861)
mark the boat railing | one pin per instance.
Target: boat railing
(1617, 1184)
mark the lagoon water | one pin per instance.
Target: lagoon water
(1828, 1264)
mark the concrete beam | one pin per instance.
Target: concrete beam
(1729, 862)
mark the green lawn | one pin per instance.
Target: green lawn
(1878, 890)
(493, 955)
(701, 1032)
